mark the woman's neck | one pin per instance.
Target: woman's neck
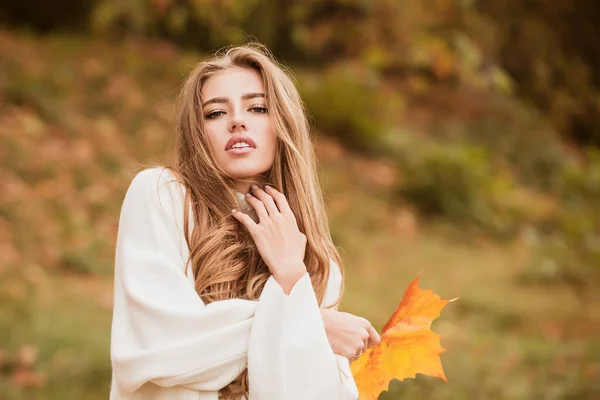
(245, 207)
(243, 186)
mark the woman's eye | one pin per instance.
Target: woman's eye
(259, 109)
(214, 114)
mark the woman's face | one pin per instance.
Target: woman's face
(234, 109)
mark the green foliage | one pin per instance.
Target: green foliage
(581, 182)
(218, 22)
(542, 51)
(515, 134)
(548, 49)
(345, 105)
(568, 245)
(457, 181)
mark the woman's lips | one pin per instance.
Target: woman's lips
(241, 150)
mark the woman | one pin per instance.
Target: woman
(212, 302)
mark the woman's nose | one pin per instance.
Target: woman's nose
(236, 124)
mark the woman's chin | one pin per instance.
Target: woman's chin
(245, 174)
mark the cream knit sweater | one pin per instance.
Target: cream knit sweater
(167, 344)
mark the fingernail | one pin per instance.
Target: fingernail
(254, 187)
(267, 187)
(234, 210)
(248, 194)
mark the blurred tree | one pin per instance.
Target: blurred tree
(551, 50)
(45, 16)
(548, 48)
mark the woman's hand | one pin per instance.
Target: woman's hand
(277, 237)
(348, 335)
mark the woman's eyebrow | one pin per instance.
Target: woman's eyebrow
(245, 96)
(249, 96)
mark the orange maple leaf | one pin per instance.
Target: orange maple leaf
(407, 347)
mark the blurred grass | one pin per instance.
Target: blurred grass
(77, 117)
(65, 321)
(505, 340)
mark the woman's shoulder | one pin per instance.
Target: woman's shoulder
(155, 177)
(156, 186)
(156, 181)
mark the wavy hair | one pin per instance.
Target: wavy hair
(225, 261)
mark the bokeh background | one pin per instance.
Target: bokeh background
(459, 138)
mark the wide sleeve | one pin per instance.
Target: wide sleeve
(162, 332)
(289, 356)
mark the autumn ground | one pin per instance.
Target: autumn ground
(77, 117)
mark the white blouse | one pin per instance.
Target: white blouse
(167, 344)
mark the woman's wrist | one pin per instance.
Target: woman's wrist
(288, 276)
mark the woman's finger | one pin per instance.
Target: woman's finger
(357, 355)
(374, 337)
(244, 220)
(266, 199)
(280, 200)
(258, 206)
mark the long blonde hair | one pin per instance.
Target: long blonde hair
(225, 261)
